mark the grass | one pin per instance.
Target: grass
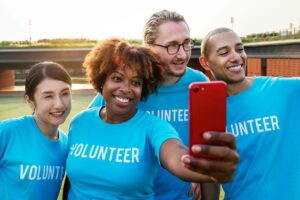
(14, 106)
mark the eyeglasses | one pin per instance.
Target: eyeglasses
(174, 48)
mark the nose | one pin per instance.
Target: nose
(125, 87)
(235, 56)
(181, 52)
(58, 102)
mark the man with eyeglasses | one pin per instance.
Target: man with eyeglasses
(169, 34)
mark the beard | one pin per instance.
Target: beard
(178, 75)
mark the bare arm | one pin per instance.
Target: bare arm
(210, 191)
(171, 152)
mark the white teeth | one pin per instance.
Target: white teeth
(180, 63)
(57, 114)
(235, 68)
(123, 100)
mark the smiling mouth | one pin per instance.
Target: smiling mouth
(58, 114)
(122, 100)
(179, 63)
(235, 67)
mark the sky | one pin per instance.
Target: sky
(100, 19)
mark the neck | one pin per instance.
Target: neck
(236, 88)
(50, 131)
(170, 80)
(112, 118)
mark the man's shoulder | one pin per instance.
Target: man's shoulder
(196, 74)
(279, 79)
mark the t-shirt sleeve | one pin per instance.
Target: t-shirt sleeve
(204, 78)
(292, 83)
(3, 140)
(97, 101)
(160, 132)
(298, 84)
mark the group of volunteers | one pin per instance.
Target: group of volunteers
(124, 147)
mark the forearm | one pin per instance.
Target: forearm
(171, 152)
(210, 191)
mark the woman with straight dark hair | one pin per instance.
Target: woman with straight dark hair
(32, 148)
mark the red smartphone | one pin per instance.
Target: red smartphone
(207, 111)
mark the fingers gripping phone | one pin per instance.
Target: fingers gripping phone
(207, 111)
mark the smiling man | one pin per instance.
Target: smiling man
(264, 115)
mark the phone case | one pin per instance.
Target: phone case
(207, 110)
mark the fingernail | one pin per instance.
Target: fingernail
(196, 148)
(186, 159)
(206, 135)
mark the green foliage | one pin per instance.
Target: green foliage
(79, 80)
(197, 41)
(271, 36)
(57, 43)
(15, 106)
(134, 41)
(76, 80)
(88, 43)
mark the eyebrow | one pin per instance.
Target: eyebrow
(225, 47)
(176, 42)
(50, 92)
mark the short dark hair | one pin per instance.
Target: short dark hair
(114, 53)
(205, 44)
(41, 71)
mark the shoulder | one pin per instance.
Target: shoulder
(287, 84)
(12, 127)
(278, 80)
(85, 115)
(196, 74)
(15, 123)
(97, 101)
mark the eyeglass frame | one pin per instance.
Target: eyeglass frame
(192, 42)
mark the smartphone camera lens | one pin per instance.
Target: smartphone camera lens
(195, 89)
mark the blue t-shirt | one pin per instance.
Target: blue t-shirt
(170, 104)
(113, 161)
(265, 119)
(31, 165)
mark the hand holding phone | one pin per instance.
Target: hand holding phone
(207, 111)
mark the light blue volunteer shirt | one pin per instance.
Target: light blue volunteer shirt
(265, 119)
(31, 165)
(113, 161)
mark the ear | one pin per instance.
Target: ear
(203, 61)
(29, 102)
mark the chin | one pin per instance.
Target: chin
(57, 122)
(178, 73)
